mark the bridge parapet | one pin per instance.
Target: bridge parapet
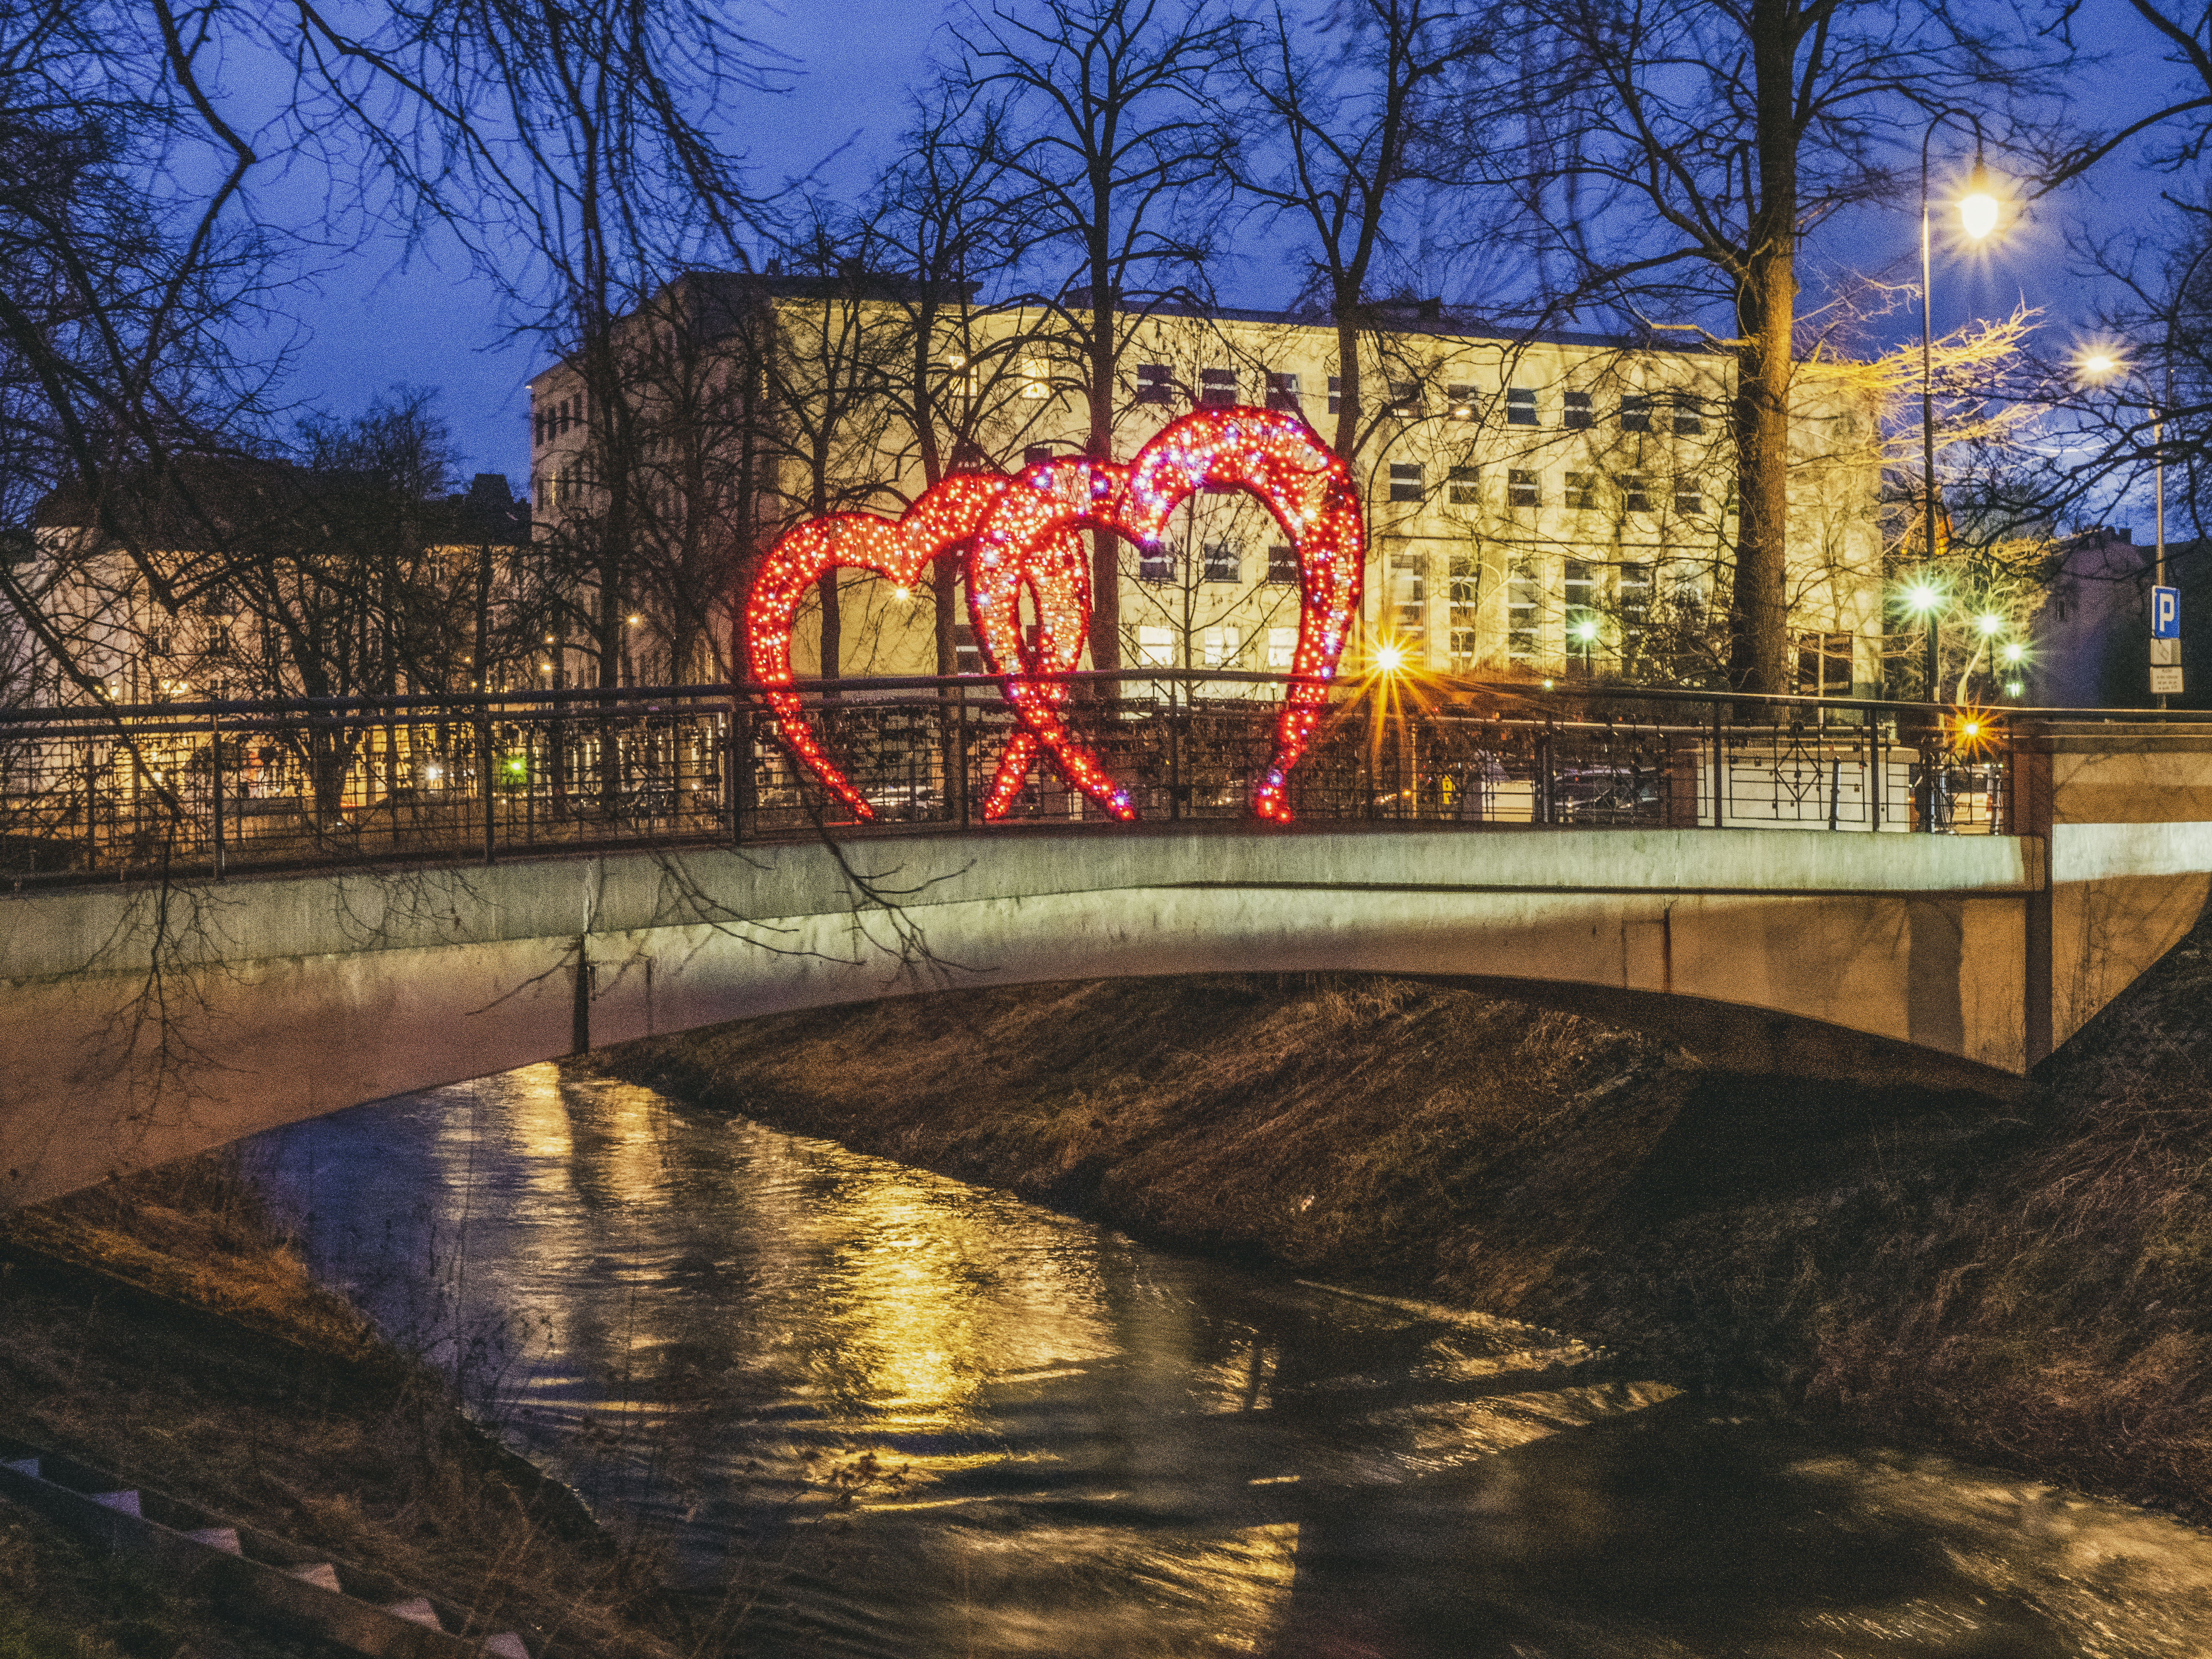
(151, 1017)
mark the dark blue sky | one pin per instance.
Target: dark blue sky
(371, 321)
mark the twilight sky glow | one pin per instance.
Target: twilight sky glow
(370, 321)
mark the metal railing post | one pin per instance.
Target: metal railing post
(488, 782)
(960, 752)
(214, 772)
(1720, 765)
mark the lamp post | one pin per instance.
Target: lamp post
(2102, 365)
(1979, 211)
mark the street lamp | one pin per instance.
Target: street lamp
(2102, 366)
(1924, 599)
(1978, 212)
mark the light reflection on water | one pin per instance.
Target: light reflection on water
(1107, 1450)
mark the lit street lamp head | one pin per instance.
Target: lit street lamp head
(1922, 598)
(1990, 623)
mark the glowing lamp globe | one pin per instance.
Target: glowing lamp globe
(1920, 597)
(1990, 623)
(1389, 659)
(1977, 213)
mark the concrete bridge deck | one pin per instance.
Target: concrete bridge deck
(146, 1022)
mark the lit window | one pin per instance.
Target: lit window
(1577, 414)
(1219, 646)
(1523, 489)
(1282, 648)
(1036, 382)
(1217, 387)
(1520, 406)
(1155, 648)
(1405, 481)
(1463, 402)
(1465, 486)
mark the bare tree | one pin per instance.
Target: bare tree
(1109, 135)
(1348, 112)
(1703, 142)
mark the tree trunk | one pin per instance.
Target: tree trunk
(1766, 300)
(1105, 547)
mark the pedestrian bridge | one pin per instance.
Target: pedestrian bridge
(151, 1020)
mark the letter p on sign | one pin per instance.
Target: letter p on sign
(2166, 613)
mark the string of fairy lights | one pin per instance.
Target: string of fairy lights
(1020, 535)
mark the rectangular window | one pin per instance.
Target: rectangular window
(1824, 665)
(1523, 594)
(1282, 648)
(1520, 406)
(1155, 384)
(1217, 387)
(1578, 414)
(1632, 606)
(1335, 387)
(1636, 412)
(1523, 489)
(1156, 563)
(1037, 455)
(1224, 560)
(1283, 392)
(1689, 417)
(1635, 493)
(1465, 590)
(1579, 589)
(1582, 490)
(1409, 593)
(1036, 381)
(1405, 481)
(1282, 562)
(967, 656)
(1405, 398)
(1466, 485)
(1463, 402)
(1220, 645)
(1688, 498)
(1155, 648)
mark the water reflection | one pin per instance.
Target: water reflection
(1108, 1451)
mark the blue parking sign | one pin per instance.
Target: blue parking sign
(2166, 613)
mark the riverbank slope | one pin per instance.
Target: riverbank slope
(163, 1329)
(2031, 1283)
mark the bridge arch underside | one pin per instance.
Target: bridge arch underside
(1783, 951)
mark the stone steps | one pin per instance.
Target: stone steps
(253, 1574)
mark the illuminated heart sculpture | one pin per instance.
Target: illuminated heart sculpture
(940, 521)
(1020, 535)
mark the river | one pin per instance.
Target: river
(1052, 1440)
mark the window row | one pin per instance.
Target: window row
(1218, 560)
(1219, 388)
(557, 418)
(1524, 487)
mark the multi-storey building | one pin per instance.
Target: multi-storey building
(1542, 504)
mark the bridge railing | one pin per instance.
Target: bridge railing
(94, 793)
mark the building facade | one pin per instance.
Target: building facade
(1536, 507)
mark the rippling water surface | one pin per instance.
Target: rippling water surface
(1086, 1447)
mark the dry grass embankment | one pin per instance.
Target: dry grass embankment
(162, 1328)
(2032, 1284)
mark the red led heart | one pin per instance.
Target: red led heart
(1276, 457)
(939, 522)
(1020, 536)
